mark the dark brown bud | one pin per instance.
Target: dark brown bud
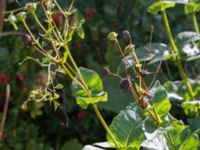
(27, 39)
(125, 84)
(126, 35)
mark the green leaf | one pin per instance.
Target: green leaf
(59, 86)
(181, 135)
(186, 37)
(127, 127)
(105, 145)
(160, 100)
(152, 130)
(85, 101)
(125, 64)
(194, 123)
(191, 8)
(189, 140)
(94, 85)
(151, 54)
(158, 143)
(66, 53)
(116, 102)
(191, 106)
(71, 144)
(80, 30)
(156, 7)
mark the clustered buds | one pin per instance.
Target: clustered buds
(125, 84)
(31, 7)
(126, 35)
(21, 16)
(112, 36)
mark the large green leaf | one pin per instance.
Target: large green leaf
(160, 99)
(94, 85)
(181, 135)
(186, 37)
(177, 90)
(151, 53)
(156, 7)
(194, 124)
(191, 8)
(71, 144)
(98, 146)
(158, 143)
(116, 102)
(127, 127)
(193, 106)
(126, 63)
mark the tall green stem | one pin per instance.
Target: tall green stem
(175, 50)
(85, 88)
(195, 23)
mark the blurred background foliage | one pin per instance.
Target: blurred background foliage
(42, 128)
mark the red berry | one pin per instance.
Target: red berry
(5, 135)
(82, 114)
(58, 18)
(4, 79)
(78, 45)
(90, 13)
(20, 77)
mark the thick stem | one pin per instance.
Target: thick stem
(195, 23)
(85, 88)
(175, 50)
(104, 123)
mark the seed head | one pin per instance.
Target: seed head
(21, 16)
(31, 7)
(27, 39)
(112, 36)
(125, 84)
(126, 35)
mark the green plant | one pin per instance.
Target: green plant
(145, 123)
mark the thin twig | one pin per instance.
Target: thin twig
(5, 110)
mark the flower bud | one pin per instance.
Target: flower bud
(125, 84)
(31, 7)
(112, 36)
(126, 35)
(21, 16)
(27, 39)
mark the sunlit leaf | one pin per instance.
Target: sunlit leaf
(94, 85)
(156, 7)
(127, 127)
